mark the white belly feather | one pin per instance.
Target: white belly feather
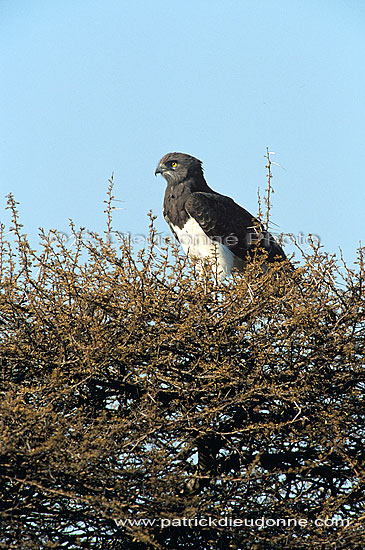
(197, 244)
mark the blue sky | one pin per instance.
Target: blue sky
(90, 88)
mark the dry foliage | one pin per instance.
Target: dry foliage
(133, 389)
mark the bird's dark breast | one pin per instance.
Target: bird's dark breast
(174, 205)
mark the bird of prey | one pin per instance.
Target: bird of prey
(210, 226)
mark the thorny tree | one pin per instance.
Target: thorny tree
(133, 390)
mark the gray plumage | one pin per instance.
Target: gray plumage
(207, 224)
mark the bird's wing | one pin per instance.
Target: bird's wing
(222, 219)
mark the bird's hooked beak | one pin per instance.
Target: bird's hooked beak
(160, 170)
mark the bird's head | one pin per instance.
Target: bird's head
(178, 167)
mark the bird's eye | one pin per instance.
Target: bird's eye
(173, 164)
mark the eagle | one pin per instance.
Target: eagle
(211, 227)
